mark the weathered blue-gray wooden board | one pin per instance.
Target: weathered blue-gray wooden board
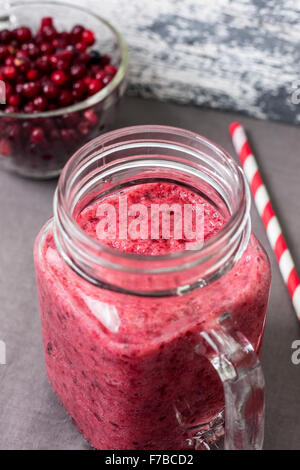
(230, 54)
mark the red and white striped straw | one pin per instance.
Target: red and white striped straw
(266, 212)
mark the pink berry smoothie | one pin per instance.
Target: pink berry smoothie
(124, 366)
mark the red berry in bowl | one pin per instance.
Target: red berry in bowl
(29, 107)
(50, 90)
(37, 135)
(19, 88)
(32, 49)
(53, 59)
(48, 32)
(9, 60)
(40, 103)
(43, 63)
(100, 75)
(79, 89)
(3, 51)
(88, 37)
(94, 86)
(22, 64)
(47, 48)
(65, 98)
(5, 36)
(14, 100)
(32, 74)
(106, 80)
(76, 32)
(46, 21)
(30, 89)
(81, 46)
(110, 70)
(22, 34)
(77, 71)
(10, 72)
(62, 64)
(59, 77)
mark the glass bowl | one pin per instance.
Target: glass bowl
(85, 119)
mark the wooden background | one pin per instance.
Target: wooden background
(230, 54)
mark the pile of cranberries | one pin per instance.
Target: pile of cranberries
(46, 71)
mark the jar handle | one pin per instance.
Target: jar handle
(238, 367)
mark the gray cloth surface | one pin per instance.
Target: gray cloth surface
(30, 414)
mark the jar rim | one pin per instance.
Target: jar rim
(236, 218)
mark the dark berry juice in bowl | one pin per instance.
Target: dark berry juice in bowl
(64, 70)
(150, 335)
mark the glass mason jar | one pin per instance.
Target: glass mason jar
(145, 352)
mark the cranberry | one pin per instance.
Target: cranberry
(11, 109)
(62, 64)
(37, 135)
(50, 90)
(110, 70)
(106, 80)
(60, 43)
(47, 48)
(22, 63)
(3, 51)
(32, 74)
(30, 89)
(22, 34)
(100, 75)
(33, 50)
(59, 77)
(81, 46)
(19, 88)
(94, 86)
(9, 60)
(43, 63)
(77, 71)
(46, 21)
(40, 103)
(21, 54)
(83, 58)
(10, 72)
(91, 117)
(14, 100)
(29, 107)
(88, 37)
(5, 36)
(65, 98)
(53, 59)
(79, 89)
(76, 32)
(48, 32)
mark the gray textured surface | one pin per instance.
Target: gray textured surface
(239, 55)
(30, 415)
